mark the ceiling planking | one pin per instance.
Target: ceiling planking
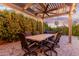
(44, 10)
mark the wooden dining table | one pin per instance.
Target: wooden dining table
(39, 37)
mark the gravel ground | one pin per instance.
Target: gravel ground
(14, 49)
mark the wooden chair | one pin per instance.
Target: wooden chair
(51, 49)
(43, 47)
(58, 36)
(29, 48)
(52, 42)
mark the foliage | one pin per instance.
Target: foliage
(12, 23)
(46, 27)
(75, 29)
(56, 23)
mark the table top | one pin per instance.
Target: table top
(39, 37)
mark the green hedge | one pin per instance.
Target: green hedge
(12, 23)
(75, 29)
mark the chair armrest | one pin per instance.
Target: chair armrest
(50, 41)
(31, 44)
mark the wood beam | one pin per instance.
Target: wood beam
(43, 16)
(50, 5)
(15, 7)
(72, 8)
(52, 13)
(12, 6)
(46, 7)
(42, 5)
(55, 8)
(38, 8)
(28, 5)
(18, 9)
(57, 15)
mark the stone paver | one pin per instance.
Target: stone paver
(11, 49)
(14, 49)
(68, 49)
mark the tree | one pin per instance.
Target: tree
(56, 23)
(74, 22)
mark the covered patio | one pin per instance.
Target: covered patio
(46, 10)
(68, 44)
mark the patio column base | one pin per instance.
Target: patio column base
(69, 44)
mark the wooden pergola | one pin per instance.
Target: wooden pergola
(46, 10)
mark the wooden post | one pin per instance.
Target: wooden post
(70, 22)
(70, 27)
(42, 25)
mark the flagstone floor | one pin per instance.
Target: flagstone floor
(14, 49)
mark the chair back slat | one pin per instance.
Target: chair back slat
(22, 39)
(57, 37)
(26, 33)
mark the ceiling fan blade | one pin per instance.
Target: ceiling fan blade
(46, 7)
(47, 14)
(52, 13)
(36, 14)
(42, 5)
